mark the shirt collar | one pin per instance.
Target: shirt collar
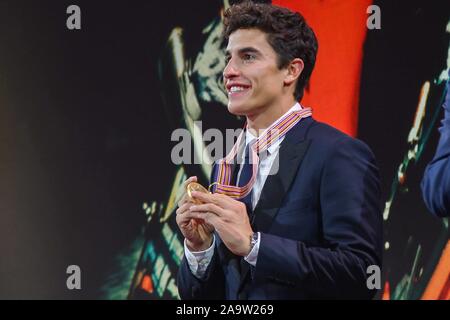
(249, 138)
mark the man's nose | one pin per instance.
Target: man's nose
(230, 71)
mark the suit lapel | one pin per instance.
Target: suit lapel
(291, 153)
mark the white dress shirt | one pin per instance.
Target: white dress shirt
(199, 261)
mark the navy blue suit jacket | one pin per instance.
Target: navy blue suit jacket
(436, 180)
(320, 222)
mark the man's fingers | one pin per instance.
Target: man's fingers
(207, 207)
(183, 208)
(186, 216)
(183, 200)
(218, 199)
(191, 179)
(184, 197)
(223, 201)
(204, 197)
(210, 218)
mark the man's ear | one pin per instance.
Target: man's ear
(294, 70)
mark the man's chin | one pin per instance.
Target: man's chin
(237, 109)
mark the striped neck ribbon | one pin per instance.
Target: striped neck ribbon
(272, 134)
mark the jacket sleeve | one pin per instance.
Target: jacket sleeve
(211, 286)
(351, 220)
(436, 179)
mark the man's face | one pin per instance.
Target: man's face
(252, 79)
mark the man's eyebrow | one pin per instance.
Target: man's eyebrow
(248, 50)
(243, 50)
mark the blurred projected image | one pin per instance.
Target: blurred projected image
(417, 254)
(190, 72)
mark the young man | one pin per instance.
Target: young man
(311, 229)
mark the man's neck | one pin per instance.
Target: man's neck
(257, 123)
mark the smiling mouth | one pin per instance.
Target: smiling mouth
(236, 91)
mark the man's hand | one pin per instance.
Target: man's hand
(198, 234)
(229, 218)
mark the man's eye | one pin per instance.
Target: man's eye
(248, 56)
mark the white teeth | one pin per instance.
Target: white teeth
(236, 88)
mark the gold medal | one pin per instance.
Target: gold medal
(194, 186)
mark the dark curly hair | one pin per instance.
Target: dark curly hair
(287, 32)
